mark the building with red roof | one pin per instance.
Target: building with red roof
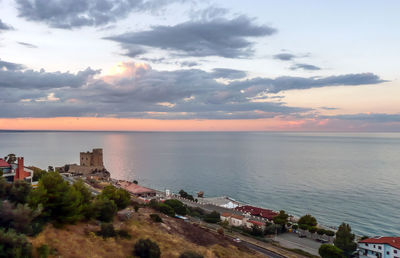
(380, 247)
(256, 211)
(13, 172)
(137, 190)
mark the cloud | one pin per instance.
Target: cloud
(284, 83)
(10, 66)
(15, 78)
(328, 108)
(139, 91)
(4, 26)
(26, 44)
(305, 67)
(368, 117)
(228, 73)
(284, 56)
(189, 63)
(69, 14)
(217, 37)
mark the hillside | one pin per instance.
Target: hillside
(173, 237)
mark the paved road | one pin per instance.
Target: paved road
(291, 240)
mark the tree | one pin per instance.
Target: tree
(330, 251)
(50, 169)
(308, 220)
(178, 206)
(120, 196)
(345, 239)
(104, 209)
(145, 248)
(4, 187)
(312, 230)
(10, 158)
(320, 231)
(14, 245)
(20, 191)
(60, 201)
(281, 219)
(256, 231)
(190, 254)
(37, 174)
(166, 209)
(135, 182)
(185, 195)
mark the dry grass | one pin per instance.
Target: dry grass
(172, 236)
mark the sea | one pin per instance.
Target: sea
(336, 177)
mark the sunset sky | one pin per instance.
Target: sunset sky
(187, 65)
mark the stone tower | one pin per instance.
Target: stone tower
(92, 159)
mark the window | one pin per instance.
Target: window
(374, 246)
(395, 251)
(387, 252)
(366, 244)
(379, 247)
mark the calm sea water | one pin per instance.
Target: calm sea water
(334, 176)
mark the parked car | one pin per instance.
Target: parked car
(237, 240)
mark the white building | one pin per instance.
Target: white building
(381, 247)
(233, 220)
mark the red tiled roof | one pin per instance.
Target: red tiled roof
(135, 189)
(226, 214)
(258, 223)
(3, 163)
(392, 241)
(255, 211)
(237, 216)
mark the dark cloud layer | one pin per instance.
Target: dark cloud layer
(284, 56)
(147, 93)
(374, 117)
(16, 78)
(308, 67)
(68, 14)
(299, 83)
(216, 37)
(4, 26)
(10, 66)
(25, 44)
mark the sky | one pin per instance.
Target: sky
(190, 65)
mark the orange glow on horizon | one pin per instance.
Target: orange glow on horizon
(131, 124)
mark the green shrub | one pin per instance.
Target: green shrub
(120, 196)
(166, 209)
(308, 220)
(213, 217)
(123, 234)
(329, 233)
(295, 227)
(190, 254)
(60, 201)
(107, 230)
(104, 210)
(155, 218)
(321, 231)
(145, 248)
(312, 229)
(43, 251)
(330, 251)
(178, 206)
(20, 191)
(13, 244)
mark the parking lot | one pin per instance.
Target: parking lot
(291, 240)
